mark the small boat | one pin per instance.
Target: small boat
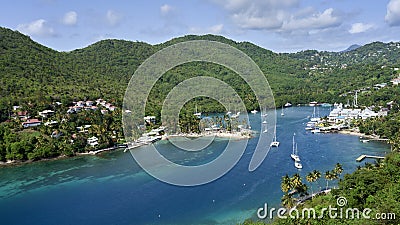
(282, 113)
(198, 114)
(254, 111)
(288, 104)
(264, 122)
(275, 143)
(364, 141)
(265, 131)
(314, 118)
(298, 165)
(297, 162)
(294, 155)
(313, 103)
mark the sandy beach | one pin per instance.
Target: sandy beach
(237, 135)
(361, 135)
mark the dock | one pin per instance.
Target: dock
(362, 157)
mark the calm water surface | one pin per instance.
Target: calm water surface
(113, 189)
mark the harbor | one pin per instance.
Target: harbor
(85, 184)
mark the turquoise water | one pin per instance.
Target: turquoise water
(112, 189)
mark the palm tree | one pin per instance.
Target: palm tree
(316, 174)
(286, 184)
(328, 177)
(312, 177)
(296, 181)
(334, 175)
(298, 185)
(338, 169)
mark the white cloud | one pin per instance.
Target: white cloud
(36, 28)
(278, 15)
(360, 28)
(393, 13)
(165, 9)
(216, 29)
(70, 18)
(113, 17)
(317, 21)
(247, 21)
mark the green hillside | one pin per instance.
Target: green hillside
(34, 73)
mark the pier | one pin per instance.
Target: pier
(362, 157)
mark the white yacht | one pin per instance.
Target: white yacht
(254, 111)
(294, 155)
(288, 104)
(275, 143)
(297, 162)
(198, 114)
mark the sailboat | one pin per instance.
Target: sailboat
(275, 143)
(314, 118)
(294, 155)
(198, 114)
(265, 129)
(264, 113)
(297, 163)
(282, 113)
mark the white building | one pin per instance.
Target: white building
(46, 113)
(92, 141)
(340, 114)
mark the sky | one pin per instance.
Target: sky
(277, 25)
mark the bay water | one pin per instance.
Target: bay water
(112, 189)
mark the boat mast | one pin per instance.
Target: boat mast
(293, 142)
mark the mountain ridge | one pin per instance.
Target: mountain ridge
(351, 48)
(31, 72)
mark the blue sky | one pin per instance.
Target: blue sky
(278, 25)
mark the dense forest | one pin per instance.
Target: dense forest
(35, 78)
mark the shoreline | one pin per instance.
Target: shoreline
(90, 153)
(236, 136)
(362, 135)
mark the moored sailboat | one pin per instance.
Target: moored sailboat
(275, 143)
(294, 155)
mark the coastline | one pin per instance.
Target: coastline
(362, 135)
(236, 136)
(92, 153)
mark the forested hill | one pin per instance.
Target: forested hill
(374, 53)
(32, 73)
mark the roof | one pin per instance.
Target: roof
(23, 113)
(32, 121)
